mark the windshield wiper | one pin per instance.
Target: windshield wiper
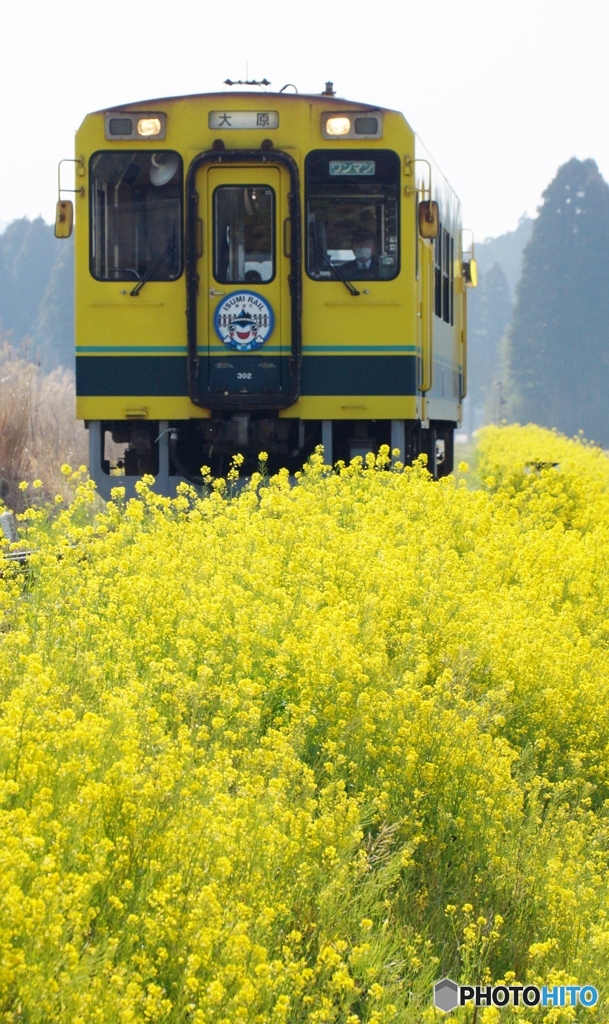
(341, 277)
(152, 269)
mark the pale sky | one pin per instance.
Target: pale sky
(501, 92)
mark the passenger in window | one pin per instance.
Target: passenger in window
(365, 266)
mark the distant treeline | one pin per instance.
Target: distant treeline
(541, 354)
(37, 292)
(489, 313)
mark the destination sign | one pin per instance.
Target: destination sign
(227, 119)
(363, 168)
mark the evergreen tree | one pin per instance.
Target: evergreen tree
(558, 347)
(53, 329)
(37, 291)
(27, 252)
(489, 309)
(506, 250)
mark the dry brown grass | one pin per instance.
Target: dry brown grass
(38, 426)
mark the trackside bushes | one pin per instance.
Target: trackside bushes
(294, 753)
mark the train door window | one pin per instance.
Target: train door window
(244, 233)
(352, 201)
(136, 216)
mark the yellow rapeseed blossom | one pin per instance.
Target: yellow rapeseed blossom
(290, 753)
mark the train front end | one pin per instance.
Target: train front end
(252, 275)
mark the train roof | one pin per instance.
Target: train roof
(338, 101)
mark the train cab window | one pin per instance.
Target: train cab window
(352, 199)
(136, 216)
(244, 232)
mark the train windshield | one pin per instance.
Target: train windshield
(244, 222)
(352, 214)
(136, 216)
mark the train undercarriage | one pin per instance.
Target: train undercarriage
(122, 451)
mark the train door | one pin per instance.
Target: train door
(243, 320)
(425, 319)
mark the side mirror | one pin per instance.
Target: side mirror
(470, 273)
(429, 219)
(64, 218)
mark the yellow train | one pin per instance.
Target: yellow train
(263, 271)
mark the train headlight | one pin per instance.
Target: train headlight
(149, 126)
(145, 125)
(338, 125)
(356, 124)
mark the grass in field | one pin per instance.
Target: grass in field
(292, 756)
(37, 426)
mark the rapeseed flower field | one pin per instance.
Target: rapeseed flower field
(290, 754)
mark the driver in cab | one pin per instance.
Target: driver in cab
(365, 266)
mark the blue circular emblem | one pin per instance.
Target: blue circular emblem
(244, 321)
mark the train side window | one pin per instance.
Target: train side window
(451, 270)
(437, 250)
(136, 215)
(244, 232)
(444, 276)
(352, 203)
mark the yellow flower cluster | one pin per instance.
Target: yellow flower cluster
(288, 754)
